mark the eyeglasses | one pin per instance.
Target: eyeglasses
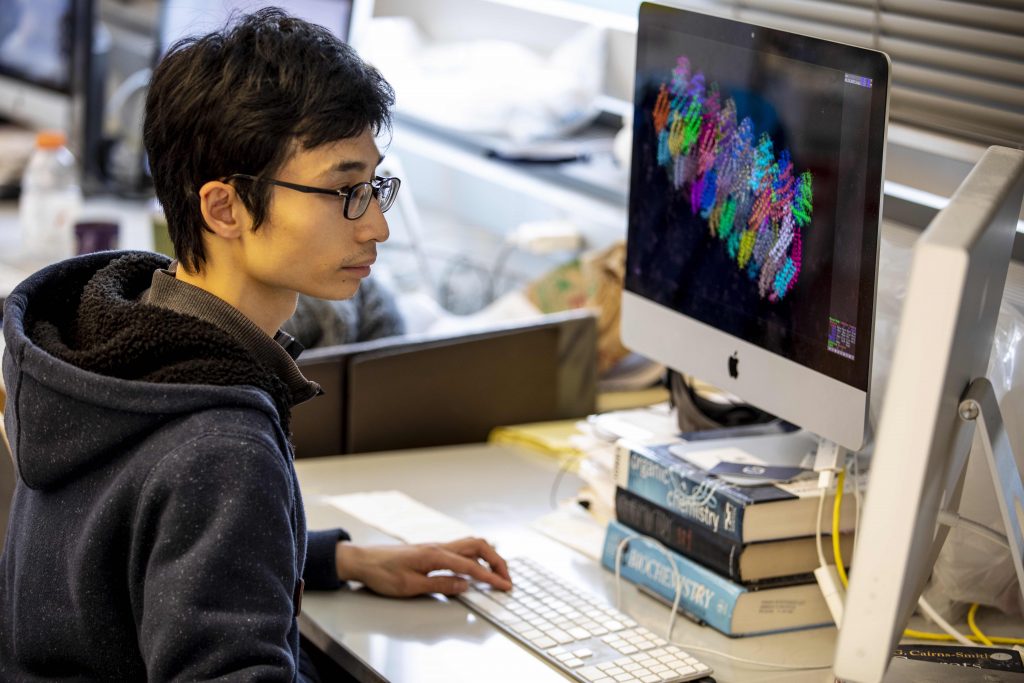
(357, 197)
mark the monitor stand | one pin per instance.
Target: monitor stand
(980, 405)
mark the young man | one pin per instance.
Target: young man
(157, 531)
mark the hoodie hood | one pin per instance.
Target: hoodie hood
(91, 370)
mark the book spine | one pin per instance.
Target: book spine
(684, 491)
(704, 596)
(679, 533)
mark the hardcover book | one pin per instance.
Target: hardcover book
(744, 514)
(785, 561)
(708, 598)
(927, 663)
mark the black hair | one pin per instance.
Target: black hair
(240, 100)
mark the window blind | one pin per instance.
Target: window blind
(958, 65)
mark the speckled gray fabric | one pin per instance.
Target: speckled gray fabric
(157, 530)
(370, 314)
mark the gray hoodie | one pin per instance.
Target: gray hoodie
(157, 530)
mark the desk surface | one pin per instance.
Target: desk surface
(499, 491)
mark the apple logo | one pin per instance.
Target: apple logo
(734, 365)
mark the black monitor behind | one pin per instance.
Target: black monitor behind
(429, 391)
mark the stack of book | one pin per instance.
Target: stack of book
(743, 555)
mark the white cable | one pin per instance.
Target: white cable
(856, 499)
(677, 581)
(817, 529)
(770, 665)
(129, 86)
(952, 519)
(942, 623)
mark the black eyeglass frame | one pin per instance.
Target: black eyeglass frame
(375, 185)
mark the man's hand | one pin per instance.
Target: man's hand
(401, 571)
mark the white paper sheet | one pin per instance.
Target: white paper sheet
(398, 515)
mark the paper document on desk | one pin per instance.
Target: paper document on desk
(398, 515)
(574, 527)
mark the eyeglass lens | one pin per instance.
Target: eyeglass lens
(361, 195)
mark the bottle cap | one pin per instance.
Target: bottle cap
(50, 139)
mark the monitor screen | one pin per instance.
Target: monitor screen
(183, 18)
(756, 188)
(36, 42)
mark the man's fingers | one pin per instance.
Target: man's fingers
(442, 558)
(446, 585)
(479, 548)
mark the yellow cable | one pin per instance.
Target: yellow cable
(925, 635)
(837, 554)
(977, 636)
(974, 626)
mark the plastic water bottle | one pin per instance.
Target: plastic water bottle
(50, 199)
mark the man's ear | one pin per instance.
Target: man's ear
(223, 211)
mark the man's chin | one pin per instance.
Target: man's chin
(339, 292)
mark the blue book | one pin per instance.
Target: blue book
(711, 599)
(744, 514)
(764, 564)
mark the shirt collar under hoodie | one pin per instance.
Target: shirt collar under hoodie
(278, 353)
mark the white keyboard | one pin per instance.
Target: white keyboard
(586, 639)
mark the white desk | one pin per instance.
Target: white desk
(498, 490)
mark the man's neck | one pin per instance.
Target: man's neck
(267, 308)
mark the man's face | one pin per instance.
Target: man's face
(306, 244)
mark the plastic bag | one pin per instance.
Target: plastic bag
(969, 568)
(488, 86)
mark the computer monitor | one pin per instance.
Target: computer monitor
(945, 340)
(754, 207)
(431, 390)
(49, 71)
(182, 18)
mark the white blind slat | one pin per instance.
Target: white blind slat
(1008, 96)
(957, 116)
(987, 42)
(998, 68)
(974, 14)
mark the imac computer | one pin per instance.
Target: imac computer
(754, 207)
(936, 394)
(50, 69)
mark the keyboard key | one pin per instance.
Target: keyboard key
(580, 635)
(560, 636)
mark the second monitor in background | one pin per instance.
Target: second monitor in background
(432, 390)
(754, 214)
